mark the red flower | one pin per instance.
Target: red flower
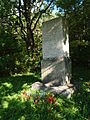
(35, 101)
(51, 99)
(51, 102)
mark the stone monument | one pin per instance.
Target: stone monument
(55, 65)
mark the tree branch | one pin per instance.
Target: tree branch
(25, 1)
(41, 12)
(36, 14)
(19, 17)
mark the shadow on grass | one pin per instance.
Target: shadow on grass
(17, 83)
(17, 110)
(10, 87)
(81, 97)
(75, 108)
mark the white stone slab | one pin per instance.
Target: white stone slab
(55, 38)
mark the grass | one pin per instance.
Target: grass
(75, 108)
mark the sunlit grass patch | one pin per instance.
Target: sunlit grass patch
(13, 106)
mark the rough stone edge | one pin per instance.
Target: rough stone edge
(66, 90)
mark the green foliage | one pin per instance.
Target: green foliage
(81, 79)
(20, 35)
(14, 108)
(80, 52)
(77, 14)
(11, 53)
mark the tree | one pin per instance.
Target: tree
(20, 28)
(86, 8)
(73, 11)
(77, 14)
(27, 14)
(24, 16)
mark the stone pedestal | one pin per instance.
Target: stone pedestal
(56, 72)
(55, 66)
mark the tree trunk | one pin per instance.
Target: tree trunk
(30, 40)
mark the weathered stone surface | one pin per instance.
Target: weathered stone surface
(55, 66)
(55, 72)
(38, 86)
(55, 38)
(66, 90)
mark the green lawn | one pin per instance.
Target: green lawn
(75, 108)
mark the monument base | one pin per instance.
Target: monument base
(56, 71)
(66, 90)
